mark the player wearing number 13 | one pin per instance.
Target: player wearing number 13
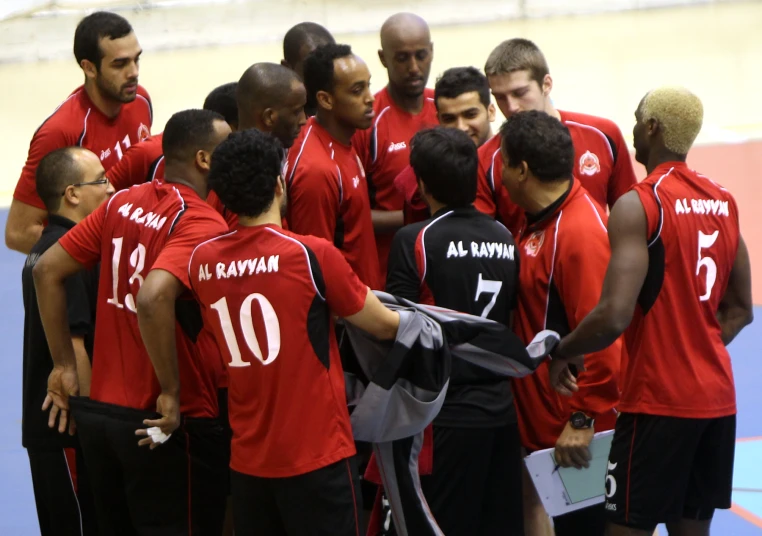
(679, 276)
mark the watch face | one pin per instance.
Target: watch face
(578, 420)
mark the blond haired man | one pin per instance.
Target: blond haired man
(679, 286)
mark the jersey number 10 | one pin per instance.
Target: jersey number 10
(272, 330)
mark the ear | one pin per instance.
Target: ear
(89, 68)
(269, 117)
(279, 186)
(523, 173)
(324, 100)
(547, 85)
(70, 195)
(382, 59)
(286, 64)
(203, 160)
(421, 187)
(491, 112)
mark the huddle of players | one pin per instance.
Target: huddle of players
(511, 227)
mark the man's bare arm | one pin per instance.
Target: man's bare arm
(376, 319)
(24, 226)
(736, 310)
(387, 220)
(84, 370)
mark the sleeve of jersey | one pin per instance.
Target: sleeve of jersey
(83, 241)
(130, 170)
(45, 140)
(313, 202)
(650, 206)
(189, 232)
(599, 383)
(344, 292)
(485, 201)
(623, 176)
(402, 278)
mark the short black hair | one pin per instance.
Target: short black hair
(264, 85)
(55, 172)
(301, 34)
(244, 172)
(446, 161)
(540, 140)
(318, 68)
(188, 132)
(222, 100)
(92, 29)
(458, 80)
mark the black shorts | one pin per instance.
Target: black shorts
(663, 469)
(224, 417)
(177, 488)
(324, 502)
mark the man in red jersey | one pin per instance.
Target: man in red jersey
(328, 195)
(147, 231)
(402, 108)
(462, 100)
(270, 296)
(679, 283)
(106, 115)
(520, 81)
(564, 249)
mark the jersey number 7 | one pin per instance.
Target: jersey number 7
(488, 286)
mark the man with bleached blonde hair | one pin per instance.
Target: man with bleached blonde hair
(679, 286)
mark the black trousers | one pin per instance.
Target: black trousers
(62, 493)
(177, 488)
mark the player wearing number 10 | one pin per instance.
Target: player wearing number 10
(466, 261)
(679, 282)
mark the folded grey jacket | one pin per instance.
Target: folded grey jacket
(406, 385)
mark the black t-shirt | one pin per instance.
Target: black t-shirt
(81, 293)
(463, 260)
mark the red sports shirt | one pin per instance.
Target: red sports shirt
(564, 257)
(678, 365)
(602, 165)
(384, 151)
(143, 162)
(328, 197)
(270, 296)
(146, 227)
(77, 121)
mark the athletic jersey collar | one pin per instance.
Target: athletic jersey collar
(664, 167)
(541, 218)
(470, 210)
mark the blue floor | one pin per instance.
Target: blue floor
(17, 511)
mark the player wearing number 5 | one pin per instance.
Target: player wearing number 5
(679, 283)
(143, 237)
(270, 297)
(463, 260)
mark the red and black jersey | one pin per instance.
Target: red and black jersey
(384, 151)
(602, 165)
(463, 260)
(677, 364)
(328, 198)
(270, 297)
(143, 162)
(564, 255)
(77, 121)
(146, 227)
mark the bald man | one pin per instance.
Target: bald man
(298, 43)
(402, 108)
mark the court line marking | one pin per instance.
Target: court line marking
(746, 515)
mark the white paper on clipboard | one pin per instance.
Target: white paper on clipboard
(570, 489)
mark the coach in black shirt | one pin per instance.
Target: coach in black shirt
(464, 260)
(72, 183)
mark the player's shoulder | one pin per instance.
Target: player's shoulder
(143, 101)
(576, 119)
(488, 148)
(316, 244)
(68, 117)
(410, 233)
(583, 214)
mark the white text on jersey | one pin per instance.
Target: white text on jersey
(240, 268)
(715, 207)
(154, 221)
(491, 250)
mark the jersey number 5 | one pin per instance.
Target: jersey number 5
(490, 287)
(272, 329)
(704, 242)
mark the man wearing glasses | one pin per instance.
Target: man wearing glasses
(71, 183)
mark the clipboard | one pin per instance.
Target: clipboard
(570, 489)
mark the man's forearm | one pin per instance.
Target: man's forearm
(156, 318)
(732, 321)
(387, 220)
(51, 301)
(597, 331)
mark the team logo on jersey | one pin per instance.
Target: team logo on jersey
(534, 243)
(143, 132)
(397, 146)
(589, 164)
(105, 154)
(355, 181)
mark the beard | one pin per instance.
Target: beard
(113, 92)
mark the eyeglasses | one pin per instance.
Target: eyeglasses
(92, 183)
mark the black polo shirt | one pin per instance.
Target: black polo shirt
(463, 260)
(81, 293)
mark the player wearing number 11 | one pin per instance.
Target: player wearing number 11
(679, 283)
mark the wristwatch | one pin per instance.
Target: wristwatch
(580, 421)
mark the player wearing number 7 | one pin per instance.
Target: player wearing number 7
(466, 261)
(679, 283)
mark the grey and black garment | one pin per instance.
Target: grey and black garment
(408, 382)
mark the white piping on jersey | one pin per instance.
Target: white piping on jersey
(423, 243)
(156, 168)
(179, 212)
(59, 107)
(601, 134)
(720, 186)
(306, 256)
(111, 199)
(375, 130)
(190, 260)
(661, 208)
(84, 131)
(338, 171)
(552, 268)
(492, 170)
(299, 156)
(150, 109)
(592, 205)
